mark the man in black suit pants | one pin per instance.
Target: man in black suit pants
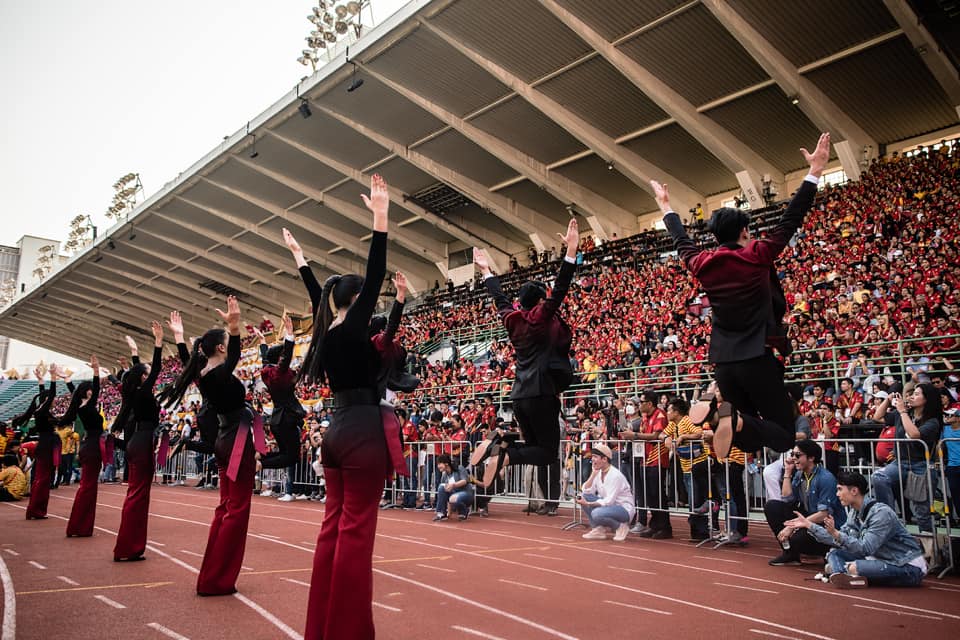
(541, 340)
(748, 307)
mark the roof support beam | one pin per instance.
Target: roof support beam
(333, 263)
(497, 254)
(81, 302)
(630, 164)
(926, 45)
(71, 345)
(432, 250)
(739, 158)
(599, 209)
(416, 269)
(236, 244)
(528, 220)
(821, 110)
(190, 275)
(81, 334)
(192, 297)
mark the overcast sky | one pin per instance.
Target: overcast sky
(93, 90)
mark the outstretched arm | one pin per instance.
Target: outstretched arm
(551, 305)
(378, 202)
(686, 248)
(491, 282)
(396, 311)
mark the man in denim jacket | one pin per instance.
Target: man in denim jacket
(873, 546)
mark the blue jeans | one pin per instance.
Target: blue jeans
(288, 480)
(876, 571)
(410, 482)
(610, 517)
(462, 500)
(887, 483)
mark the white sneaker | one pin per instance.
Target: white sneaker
(179, 483)
(622, 532)
(266, 493)
(300, 496)
(597, 533)
(286, 498)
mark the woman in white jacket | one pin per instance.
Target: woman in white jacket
(607, 498)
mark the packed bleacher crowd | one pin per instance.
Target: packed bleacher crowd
(874, 265)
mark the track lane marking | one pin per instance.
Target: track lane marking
(474, 632)
(387, 607)
(9, 603)
(638, 607)
(110, 603)
(36, 564)
(170, 633)
(738, 586)
(522, 584)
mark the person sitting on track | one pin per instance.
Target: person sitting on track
(873, 547)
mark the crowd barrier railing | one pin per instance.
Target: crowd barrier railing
(949, 497)
(718, 497)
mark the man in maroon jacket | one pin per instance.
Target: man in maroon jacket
(748, 307)
(541, 340)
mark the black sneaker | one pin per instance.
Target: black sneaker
(785, 560)
(462, 517)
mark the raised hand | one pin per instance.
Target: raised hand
(291, 242)
(157, 330)
(661, 194)
(378, 201)
(400, 281)
(132, 344)
(287, 325)
(820, 156)
(52, 369)
(38, 371)
(175, 323)
(571, 238)
(480, 259)
(232, 315)
(95, 365)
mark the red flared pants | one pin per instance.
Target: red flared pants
(223, 557)
(84, 510)
(42, 476)
(340, 605)
(132, 537)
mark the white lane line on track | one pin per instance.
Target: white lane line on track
(11, 552)
(36, 564)
(898, 613)
(267, 535)
(300, 582)
(72, 583)
(170, 633)
(738, 586)
(427, 566)
(638, 607)
(112, 603)
(479, 605)
(9, 604)
(474, 632)
(521, 584)
(468, 546)
(246, 568)
(537, 555)
(718, 559)
(269, 617)
(649, 573)
(158, 544)
(772, 634)
(387, 607)
(191, 553)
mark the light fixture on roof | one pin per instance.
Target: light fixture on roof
(126, 190)
(304, 108)
(794, 99)
(355, 82)
(353, 8)
(610, 166)
(253, 151)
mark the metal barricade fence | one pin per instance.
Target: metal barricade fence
(949, 481)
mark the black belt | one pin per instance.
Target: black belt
(235, 417)
(354, 397)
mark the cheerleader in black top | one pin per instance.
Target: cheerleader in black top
(47, 442)
(287, 417)
(83, 405)
(354, 449)
(139, 418)
(214, 357)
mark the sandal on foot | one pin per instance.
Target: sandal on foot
(704, 408)
(493, 465)
(485, 448)
(723, 432)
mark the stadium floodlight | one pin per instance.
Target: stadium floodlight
(353, 7)
(340, 27)
(341, 11)
(328, 18)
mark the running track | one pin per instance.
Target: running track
(506, 577)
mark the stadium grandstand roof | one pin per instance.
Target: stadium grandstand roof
(488, 120)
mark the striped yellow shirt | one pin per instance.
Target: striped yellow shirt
(690, 452)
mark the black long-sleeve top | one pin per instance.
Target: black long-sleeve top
(88, 413)
(219, 387)
(43, 421)
(145, 408)
(349, 358)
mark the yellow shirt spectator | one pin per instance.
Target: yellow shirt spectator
(68, 440)
(13, 481)
(687, 437)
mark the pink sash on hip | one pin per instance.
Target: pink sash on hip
(163, 450)
(240, 442)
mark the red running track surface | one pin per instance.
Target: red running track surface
(505, 577)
